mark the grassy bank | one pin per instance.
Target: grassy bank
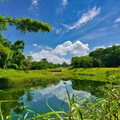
(95, 74)
(14, 78)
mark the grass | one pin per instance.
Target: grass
(14, 78)
(95, 74)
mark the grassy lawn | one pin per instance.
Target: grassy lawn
(12, 77)
(96, 74)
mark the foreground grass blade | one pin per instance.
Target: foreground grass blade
(68, 96)
(55, 112)
(79, 113)
(1, 113)
(47, 114)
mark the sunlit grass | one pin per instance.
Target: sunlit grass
(21, 78)
(95, 74)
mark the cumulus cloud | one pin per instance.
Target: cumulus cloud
(77, 48)
(117, 20)
(61, 51)
(49, 56)
(85, 18)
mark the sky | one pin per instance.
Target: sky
(78, 26)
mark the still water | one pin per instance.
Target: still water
(55, 94)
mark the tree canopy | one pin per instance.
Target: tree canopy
(11, 55)
(108, 57)
(24, 24)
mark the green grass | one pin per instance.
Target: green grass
(95, 74)
(14, 78)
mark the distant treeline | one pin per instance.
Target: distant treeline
(44, 64)
(11, 56)
(108, 57)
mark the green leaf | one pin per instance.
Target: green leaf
(79, 113)
(113, 107)
(26, 115)
(68, 95)
(55, 112)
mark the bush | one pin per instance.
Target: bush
(13, 66)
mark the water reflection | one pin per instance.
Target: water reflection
(11, 96)
(89, 86)
(55, 95)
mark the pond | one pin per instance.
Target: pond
(55, 94)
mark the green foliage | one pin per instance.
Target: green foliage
(84, 61)
(44, 64)
(64, 64)
(24, 24)
(11, 54)
(108, 57)
(5, 55)
(107, 108)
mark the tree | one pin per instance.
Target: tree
(13, 52)
(5, 55)
(29, 59)
(64, 64)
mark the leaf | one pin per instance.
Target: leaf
(68, 95)
(113, 107)
(48, 114)
(119, 113)
(79, 113)
(1, 112)
(55, 112)
(104, 105)
(73, 98)
(26, 115)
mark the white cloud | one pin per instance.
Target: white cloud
(64, 2)
(57, 30)
(117, 20)
(42, 47)
(62, 6)
(34, 7)
(85, 18)
(97, 47)
(34, 2)
(49, 56)
(34, 45)
(65, 49)
(76, 48)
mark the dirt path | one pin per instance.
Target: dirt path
(56, 72)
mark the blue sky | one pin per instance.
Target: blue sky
(78, 26)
